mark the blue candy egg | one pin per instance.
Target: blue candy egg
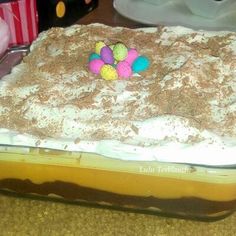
(94, 56)
(140, 64)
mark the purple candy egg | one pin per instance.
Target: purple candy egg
(95, 65)
(132, 55)
(107, 55)
(124, 70)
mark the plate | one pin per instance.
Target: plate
(172, 13)
(12, 57)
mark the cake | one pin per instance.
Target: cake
(163, 140)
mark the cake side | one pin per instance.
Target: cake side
(154, 187)
(181, 110)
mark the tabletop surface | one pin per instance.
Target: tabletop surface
(22, 216)
(106, 14)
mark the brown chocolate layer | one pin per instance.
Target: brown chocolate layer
(188, 205)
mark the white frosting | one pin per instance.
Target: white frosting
(161, 138)
(213, 151)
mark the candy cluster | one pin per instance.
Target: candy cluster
(116, 61)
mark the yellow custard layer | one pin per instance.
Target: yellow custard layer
(161, 180)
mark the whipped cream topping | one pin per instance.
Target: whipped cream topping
(182, 110)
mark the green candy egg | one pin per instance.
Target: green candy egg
(120, 51)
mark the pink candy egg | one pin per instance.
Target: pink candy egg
(124, 69)
(95, 65)
(132, 55)
(107, 55)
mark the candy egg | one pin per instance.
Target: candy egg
(93, 56)
(98, 46)
(108, 72)
(120, 51)
(107, 55)
(124, 69)
(132, 55)
(95, 65)
(141, 63)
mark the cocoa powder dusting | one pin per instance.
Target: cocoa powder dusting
(183, 81)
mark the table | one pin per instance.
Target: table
(106, 14)
(22, 216)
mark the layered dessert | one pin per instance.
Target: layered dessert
(162, 140)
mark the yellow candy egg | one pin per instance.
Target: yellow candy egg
(98, 46)
(108, 72)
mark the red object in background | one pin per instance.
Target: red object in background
(22, 19)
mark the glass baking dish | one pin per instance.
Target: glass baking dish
(175, 189)
(180, 190)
